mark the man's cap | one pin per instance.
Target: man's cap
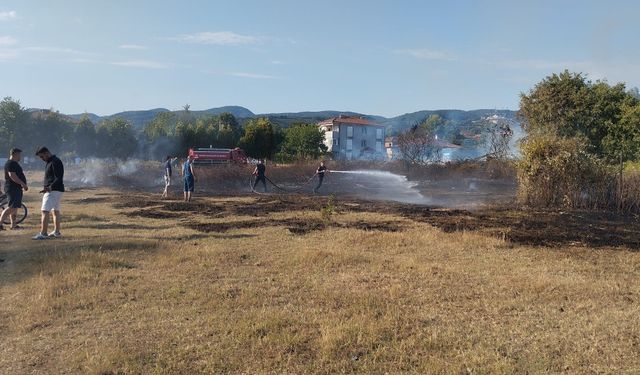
(14, 151)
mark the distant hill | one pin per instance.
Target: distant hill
(455, 115)
(139, 118)
(394, 124)
(237, 111)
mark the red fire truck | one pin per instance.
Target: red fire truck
(218, 155)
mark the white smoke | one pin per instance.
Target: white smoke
(95, 172)
(383, 185)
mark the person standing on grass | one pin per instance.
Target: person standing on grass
(167, 177)
(259, 172)
(320, 172)
(14, 184)
(189, 178)
(53, 189)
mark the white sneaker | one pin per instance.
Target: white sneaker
(55, 234)
(40, 236)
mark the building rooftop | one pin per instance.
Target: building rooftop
(347, 120)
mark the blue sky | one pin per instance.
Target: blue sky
(375, 57)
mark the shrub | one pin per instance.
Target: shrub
(556, 171)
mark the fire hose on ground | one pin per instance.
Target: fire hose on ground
(278, 187)
(284, 190)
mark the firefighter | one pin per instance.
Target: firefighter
(320, 173)
(259, 173)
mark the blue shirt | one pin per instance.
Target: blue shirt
(186, 170)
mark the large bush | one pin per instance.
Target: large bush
(557, 171)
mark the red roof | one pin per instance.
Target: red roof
(347, 120)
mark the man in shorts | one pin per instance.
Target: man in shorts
(14, 185)
(189, 178)
(53, 189)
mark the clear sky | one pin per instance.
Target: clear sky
(376, 57)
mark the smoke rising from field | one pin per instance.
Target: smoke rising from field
(113, 172)
(380, 185)
(451, 190)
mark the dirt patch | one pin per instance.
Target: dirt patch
(295, 226)
(192, 207)
(264, 205)
(155, 214)
(91, 200)
(135, 201)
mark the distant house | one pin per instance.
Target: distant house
(393, 151)
(353, 138)
(391, 145)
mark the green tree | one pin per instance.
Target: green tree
(85, 138)
(116, 139)
(304, 141)
(569, 105)
(624, 136)
(163, 125)
(14, 124)
(185, 136)
(51, 129)
(259, 139)
(226, 138)
(229, 130)
(207, 131)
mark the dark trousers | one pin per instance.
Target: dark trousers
(320, 178)
(264, 182)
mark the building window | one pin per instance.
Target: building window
(335, 141)
(378, 133)
(378, 146)
(364, 130)
(349, 144)
(363, 144)
(350, 131)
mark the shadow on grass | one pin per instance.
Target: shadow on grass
(106, 226)
(30, 258)
(192, 237)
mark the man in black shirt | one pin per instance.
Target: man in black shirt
(320, 172)
(53, 189)
(259, 173)
(14, 184)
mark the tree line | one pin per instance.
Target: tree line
(167, 134)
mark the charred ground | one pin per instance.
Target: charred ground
(551, 228)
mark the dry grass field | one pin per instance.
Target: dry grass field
(262, 285)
